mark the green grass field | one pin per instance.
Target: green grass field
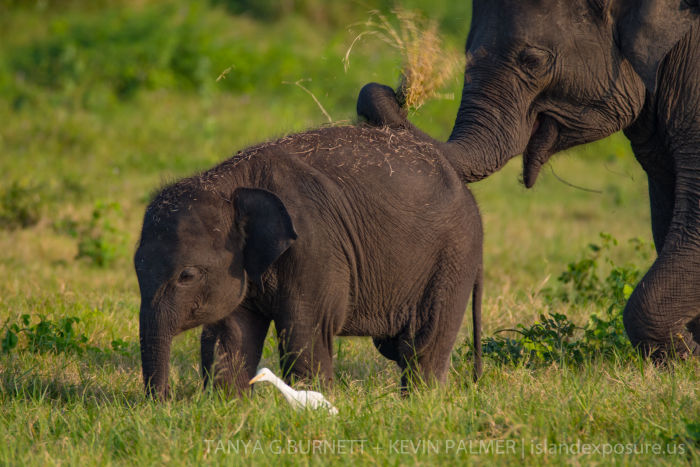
(100, 104)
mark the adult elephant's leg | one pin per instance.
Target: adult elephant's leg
(661, 200)
(666, 303)
(653, 156)
(241, 337)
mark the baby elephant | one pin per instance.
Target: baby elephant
(342, 231)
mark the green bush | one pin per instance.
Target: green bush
(45, 336)
(20, 205)
(454, 16)
(606, 333)
(55, 336)
(555, 338)
(124, 50)
(260, 9)
(101, 241)
(159, 47)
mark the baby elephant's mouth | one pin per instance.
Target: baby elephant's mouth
(542, 144)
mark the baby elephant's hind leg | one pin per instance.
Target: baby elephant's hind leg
(388, 347)
(425, 359)
(403, 352)
(305, 352)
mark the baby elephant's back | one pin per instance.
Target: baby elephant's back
(409, 220)
(394, 185)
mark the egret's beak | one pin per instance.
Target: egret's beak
(256, 378)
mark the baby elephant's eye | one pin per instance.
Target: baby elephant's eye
(535, 61)
(187, 276)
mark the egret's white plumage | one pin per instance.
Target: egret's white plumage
(298, 399)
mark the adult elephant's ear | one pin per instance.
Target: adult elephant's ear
(646, 31)
(266, 226)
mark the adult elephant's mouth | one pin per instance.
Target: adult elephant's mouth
(542, 144)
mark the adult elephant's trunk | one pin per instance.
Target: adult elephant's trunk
(155, 355)
(493, 123)
(662, 315)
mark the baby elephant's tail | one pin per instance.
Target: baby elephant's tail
(380, 106)
(476, 322)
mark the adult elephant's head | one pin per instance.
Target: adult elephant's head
(541, 76)
(647, 29)
(198, 250)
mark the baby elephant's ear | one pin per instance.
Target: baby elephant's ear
(266, 226)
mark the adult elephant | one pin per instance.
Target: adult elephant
(546, 75)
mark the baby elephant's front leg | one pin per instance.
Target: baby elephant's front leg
(240, 337)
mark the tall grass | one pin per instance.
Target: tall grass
(72, 141)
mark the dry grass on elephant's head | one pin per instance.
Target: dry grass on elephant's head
(428, 63)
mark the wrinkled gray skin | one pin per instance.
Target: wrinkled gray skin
(545, 75)
(344, 231)
(663, 313)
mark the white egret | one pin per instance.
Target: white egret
(298, 399)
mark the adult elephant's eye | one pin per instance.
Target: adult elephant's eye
(535, 61)
(188, 276)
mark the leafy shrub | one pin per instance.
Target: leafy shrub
(320, 12)
(555, 338)
(66, 226)
(112, 56)
(693, 433)
(690, 438)
(453, 16)
(261, 9)
(126, 51)
(55, 336)
(552, 339)
(120, 346)
(101, 241)
(45, 336)
(604, 333)
(581, 280)
(20, 205)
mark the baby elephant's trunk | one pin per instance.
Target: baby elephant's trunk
(155, 357)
